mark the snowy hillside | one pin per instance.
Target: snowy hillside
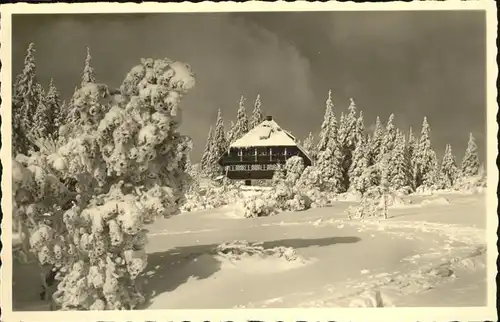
(431, 254)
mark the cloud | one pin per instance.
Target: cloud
(231, 56)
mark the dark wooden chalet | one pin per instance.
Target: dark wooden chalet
(257, 154)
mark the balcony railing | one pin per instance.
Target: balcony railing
(252, 167)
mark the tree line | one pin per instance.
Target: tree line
(218, 139)
(351, 159)
(38, 112)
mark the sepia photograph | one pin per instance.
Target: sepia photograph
(249, 159)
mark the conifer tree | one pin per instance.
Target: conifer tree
(357, 172)
(470, 162)
(411, 144)
(219, 147)
(64, 111)
(329, 156)
(399, 174)
(329, 163)
(448, 170)
(88, 71)
(241, 125)
(348, 140)
(127, 167)
(55, 109)
(350, 131)
(257, 116)
(342, 132)
(230, 133)
(206, 153)
(384, 182)
(425, 158)
(411, 150)
(309, 146)
(41, 125)
(389, 138)
(72, 115)
(360, 128)
(376, 141)
(430, 178)
(329, 126)
(24, 103)
(279, 175)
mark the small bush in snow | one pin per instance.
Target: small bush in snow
(257, 206)
(286, 196)
(311, 178)
(237, 249)
(317, 198)
(373, 204)
(212, 197)
(470, 183)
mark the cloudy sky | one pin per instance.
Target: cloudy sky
(412, 64)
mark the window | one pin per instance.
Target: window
(240, 152)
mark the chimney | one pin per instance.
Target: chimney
(269, 118)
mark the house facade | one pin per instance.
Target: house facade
(258, 154)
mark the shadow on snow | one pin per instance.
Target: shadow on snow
(168, 270)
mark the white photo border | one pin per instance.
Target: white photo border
(334, 314)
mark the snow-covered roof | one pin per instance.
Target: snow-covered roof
(267, 133)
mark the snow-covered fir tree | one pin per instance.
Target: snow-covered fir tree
(448, 169)
(204, 163)
(88, 71)
(384, 182)
(425, 157)
(42, 123)
(218, 148)
(257, 116)
(241, 125)
(376, 141)
(431, 178)
(360, 128)
(294, 167)
(329, 126)
(279, 175)
(342, 130)
(329, 163)
(348, 139)
(389, 138)
(399, 174)
(309, 145)
(55, 109)
(125, 159)
(329, 156)
(230, 133)
(349, 132)
(358, 171)
(25, 98)
(73, 114)
(470, 162)
(411, 150)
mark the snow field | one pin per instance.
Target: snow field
(426, 256)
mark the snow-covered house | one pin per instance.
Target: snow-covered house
(256, 155)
